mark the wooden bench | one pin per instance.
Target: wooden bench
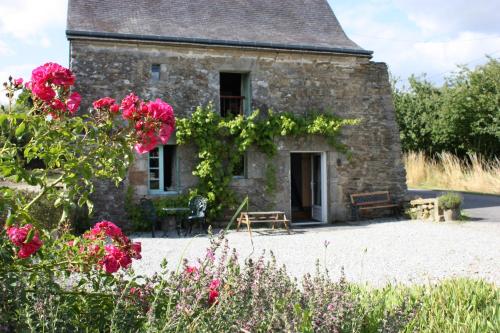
(274, 218)
(368, 201)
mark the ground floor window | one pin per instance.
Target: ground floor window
(239, 169)
(163, 169)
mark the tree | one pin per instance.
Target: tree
(462, 116)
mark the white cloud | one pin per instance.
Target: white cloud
(26, 20)
(410, 48)
(453, 16)
(466, 49)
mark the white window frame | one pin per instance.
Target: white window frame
(175, 175)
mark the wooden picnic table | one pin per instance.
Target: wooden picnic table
(274, 218)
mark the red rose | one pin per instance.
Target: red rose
(18, 237)
(106, 228)
(114, 108)
(103, 103)
(43, 92)
(212, 296)
(110, 264)
(56, 104)
(135, 250)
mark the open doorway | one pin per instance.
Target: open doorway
(308, 187)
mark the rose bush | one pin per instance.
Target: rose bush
(71, 151)
(74, 150)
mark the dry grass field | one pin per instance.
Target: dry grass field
(447, 171)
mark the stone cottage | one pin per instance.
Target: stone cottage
(287, 55)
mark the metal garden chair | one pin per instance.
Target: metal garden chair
(197, 208)
(148, 211)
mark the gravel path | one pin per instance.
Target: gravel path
(376, 253)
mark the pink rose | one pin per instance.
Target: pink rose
(18, 82)
(59, 75)
(161, 111)
(214, 284)
(129, 105)
(52, 73)
(73, 102)
(30, 248)
(114, 259)
(166, 131)
(147, 142)
(144, 110)
(191, 270)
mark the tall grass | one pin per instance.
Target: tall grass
(447, 171)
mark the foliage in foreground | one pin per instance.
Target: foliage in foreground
(447, 171)
(218, 294)
(462, 116)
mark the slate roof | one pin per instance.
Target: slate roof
(308, 25)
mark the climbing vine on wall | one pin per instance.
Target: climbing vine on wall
(221, 143)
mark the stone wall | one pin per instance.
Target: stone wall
(352, 87)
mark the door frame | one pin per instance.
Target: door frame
(324, 186)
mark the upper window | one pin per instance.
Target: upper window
(163, 169)
(155, 72)
(234, 94)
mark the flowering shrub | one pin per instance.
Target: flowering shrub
(71, 152)
(44, 127)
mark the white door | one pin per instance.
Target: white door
(317, 184)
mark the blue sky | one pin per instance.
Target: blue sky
(411, 36)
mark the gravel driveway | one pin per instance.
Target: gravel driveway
(376, 252)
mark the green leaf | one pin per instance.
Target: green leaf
(10, 220)
(30, 236)
(3, 118)
(20, 129)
